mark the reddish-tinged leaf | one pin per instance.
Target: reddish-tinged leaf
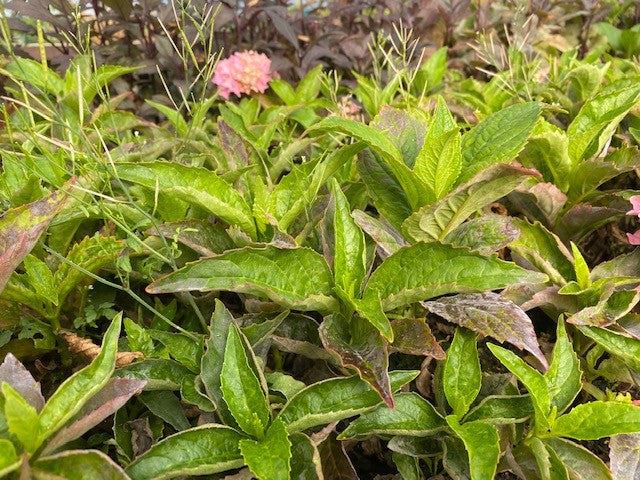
(624, 455)
(14, 373)
(334, 460)
(359, 345)
(106, 402)
(413, 337)
(20, 229)
(490, 315)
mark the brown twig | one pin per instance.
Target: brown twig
(89, 350)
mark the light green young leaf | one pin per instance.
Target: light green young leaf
(8, 455)
(580, 462)
(194, 185)
(335, 399)
(434, 222)
(627, 348)
(548, 151)
(383, 146)
(309, 87)
(370, 308)
(462, 377)
(183, 349)
(424, 271)
(594, 420)
(74, 392)
(533, 380)
(241, 388)
(79, 465)
(482, 444)
(599, 117)
(202, 450)
(564, 377)
(22, 418)
(412, 416)
(499, 138)
(33, 73)
(349, 262)
(296, 278)
(174, 117)
(580, 267)
(439, 162)
(41, 278)
(270, 458)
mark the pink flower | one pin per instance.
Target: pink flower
(635, 204)
(634, 238)
(242, 72)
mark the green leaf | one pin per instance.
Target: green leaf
(174, 117)
(296, 278)
(486, 234)
(79, 465)
(184, 349)
(41, 278)
(482, 444)
(165, 404)
(371, 309)
(599, 117)
(499, 138)
(502, 409)
(34, 73)
(533, 380)
(412, 416)
(435, 222)
(580, 462)
(380, 143)
(335, 399)
(8, 455)
(462, 377)
(439, 162)
(489, 314)
(580, 267)
(349, 262)
(202, 450)
(424, 271)
(309, 87)
(564, 377)
(194, 185)
(305, 458)
(408, 467)
(624, 456)
(594, 420)
(627, 348)
(74, 392)
(21, 418)
(160, 374)
(241, 388)
(270, 458)
(548, 151)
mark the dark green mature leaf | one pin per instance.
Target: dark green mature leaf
(295, 278)
(580, 462)
(305, 458)
(160, 374)
(241, 387)
(269, 458)
(533, 380)
(20, 229)
(195, 185)
(435, 222)
(386, 237)
(594, 420)
(183, 349)
(380, 143)
(359, 345)
(541, 249)
(491, 315)
(22, 419)
(624, 456)
(627, 348)
(564, 376)
(412, 416)
(213, 357)
(462, 377)
(404, 127)
(599, 117)
(74, 392)
(482, 444)
(423, 271)
(335, 399)
(408, 467)
(165, 404)
(202, 450)
(499, 138)
(203, 237)
(349, 255)
(79, 465)
(502, 409)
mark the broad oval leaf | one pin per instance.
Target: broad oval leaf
(335, 399)
(482, 444)
(412, 416)
(491, 315)
(424, 271)
(74, 392)
(564, 376)
(297, 278)
(201, 450)
(79, 465)
(195, 185)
